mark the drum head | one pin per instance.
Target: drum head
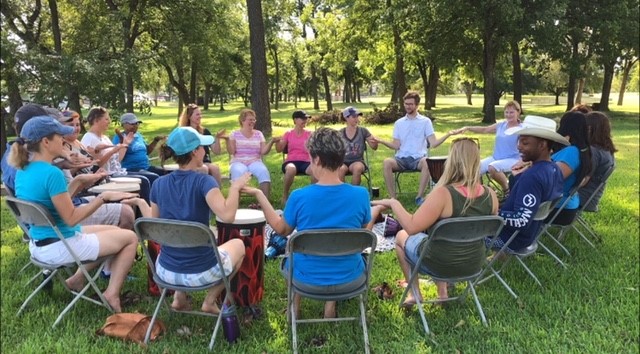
(115, 187)
(247, 216)
(171, 167)
(125, 180)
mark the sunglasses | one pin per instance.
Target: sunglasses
(475, 140)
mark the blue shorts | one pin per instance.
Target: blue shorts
(408, 163)
(209, 276)
(412, 251)
(301, 166)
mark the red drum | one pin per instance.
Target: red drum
(248, 284)
(436, 167)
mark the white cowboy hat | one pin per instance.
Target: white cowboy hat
(539, 127)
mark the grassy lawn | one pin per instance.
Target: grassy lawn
(593, 306)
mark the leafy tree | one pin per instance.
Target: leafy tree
(259, 80)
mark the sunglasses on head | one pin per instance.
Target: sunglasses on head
(475, 140)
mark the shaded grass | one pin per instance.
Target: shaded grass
(592, 306)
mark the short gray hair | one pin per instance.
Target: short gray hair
(327, 144)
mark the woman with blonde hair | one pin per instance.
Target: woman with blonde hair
(192, 117)
(505, 151)
(459, 192)
(39, 181)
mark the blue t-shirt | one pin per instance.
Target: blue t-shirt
(570, 155)
(538, 184)
(8, 171)
(181, 195)
(136, 157)
(38, 182)
(327, 207)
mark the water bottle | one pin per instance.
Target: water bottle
(277, 246)
(230, 325)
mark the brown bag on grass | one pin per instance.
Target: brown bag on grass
(131, 326)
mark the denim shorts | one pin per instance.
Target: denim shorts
(412, 251)
(408, 163)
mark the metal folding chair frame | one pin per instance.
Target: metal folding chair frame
(33, 214)
(330, 242)
(477, 228)
(178, 233)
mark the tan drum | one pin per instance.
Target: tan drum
(248, 284)
(115, 187)
(436, 167)
(171, 167)
(125, 180)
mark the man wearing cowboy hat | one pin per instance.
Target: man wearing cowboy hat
(537, 180)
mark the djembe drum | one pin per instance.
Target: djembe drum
(436, 167)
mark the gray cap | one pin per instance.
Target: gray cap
(129, 118)
(26, 112)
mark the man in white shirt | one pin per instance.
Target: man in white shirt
(412, 136)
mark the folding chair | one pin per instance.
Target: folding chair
(580, 222)
(367, 171)
(179, 234)
(330, 242)
(396, 177)
(519, 255)
(32, 214)
(461, 231)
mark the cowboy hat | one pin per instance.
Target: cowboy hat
(539, 127)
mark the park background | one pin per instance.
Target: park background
(465, 58)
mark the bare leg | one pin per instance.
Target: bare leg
(401, 239)
(310, 173)
(330, 309)
(388, 166)
(180, 301)
(289, 175)
(499, 177)
(442, 290)
(425, 177)
(265, 187)
(236, 250)
(342, 171)
(127, 217)
(356, 169)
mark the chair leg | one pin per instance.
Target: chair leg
(477, 301)
(294, 334)
(553, 255)
(363, 320)
(80, 295)
(37, 290)
(154, 316)
(215, 332)
(558, 239)
(528, 270)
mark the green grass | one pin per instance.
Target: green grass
(593, 306)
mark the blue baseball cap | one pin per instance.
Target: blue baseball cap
(350, 111)
(183, 140)
(39, 127)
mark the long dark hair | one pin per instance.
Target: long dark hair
(599, 129)
(574, 125)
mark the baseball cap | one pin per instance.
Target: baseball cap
(350, 111)
(129, 118)
(183, 140)
(67, 116)
(53, 112)
(300, 114)
(39, 127)
(26, 112)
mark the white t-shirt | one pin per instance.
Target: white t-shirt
(412, 134)
(113, 165)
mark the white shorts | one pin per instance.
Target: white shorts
(85, 246)
(258, 169)
(106, 214)
(209, 276)
(503, 165)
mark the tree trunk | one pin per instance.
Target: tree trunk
(628, 64)
(557, 94)
(581, 84)
(468, 91)
(327, 89)
(193, 83)
(573, 76)
(421, 64)
(606, 86)
(221, 102)
(207, 95)
(488, 72)
(277, 78)
(517, 72)
(400, 86)
(434, 77)
(259, 78)
(314, 87)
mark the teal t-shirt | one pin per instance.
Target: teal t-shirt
(38, 182)
(570, 155)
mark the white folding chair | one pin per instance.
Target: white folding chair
(330, 242)
(32, 214)
(179, 234)
(461, 231)
(519, 255)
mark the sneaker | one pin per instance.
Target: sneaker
(419, 201)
